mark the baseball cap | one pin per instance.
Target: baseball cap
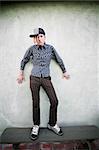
(37, 31)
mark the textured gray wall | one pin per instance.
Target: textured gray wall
(73, 30)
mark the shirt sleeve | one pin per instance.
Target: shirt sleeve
(58, 59)
(25, 59)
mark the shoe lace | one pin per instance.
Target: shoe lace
(57, 127)
(35, 129)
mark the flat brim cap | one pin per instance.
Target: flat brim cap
(37, 31)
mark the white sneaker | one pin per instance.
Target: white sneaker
(34, 132)
(56, 129)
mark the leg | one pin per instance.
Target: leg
(48, 87)
(35, 88)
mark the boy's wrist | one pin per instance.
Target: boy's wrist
(21, 72)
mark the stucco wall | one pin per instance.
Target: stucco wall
(72, 29)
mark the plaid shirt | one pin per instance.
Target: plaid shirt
(41, 58)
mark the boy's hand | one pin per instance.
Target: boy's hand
(66, 75)
(20, 78)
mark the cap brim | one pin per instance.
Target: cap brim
(33, 35)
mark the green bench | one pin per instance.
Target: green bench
(17, 136)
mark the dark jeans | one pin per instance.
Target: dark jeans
(35, 83)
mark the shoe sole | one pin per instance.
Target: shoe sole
(33, 138)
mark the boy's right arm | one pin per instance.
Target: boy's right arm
(23, 63)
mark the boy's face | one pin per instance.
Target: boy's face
(40, 39)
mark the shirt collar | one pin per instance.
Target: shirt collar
(44, 46)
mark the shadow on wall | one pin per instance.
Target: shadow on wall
(4, 122)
